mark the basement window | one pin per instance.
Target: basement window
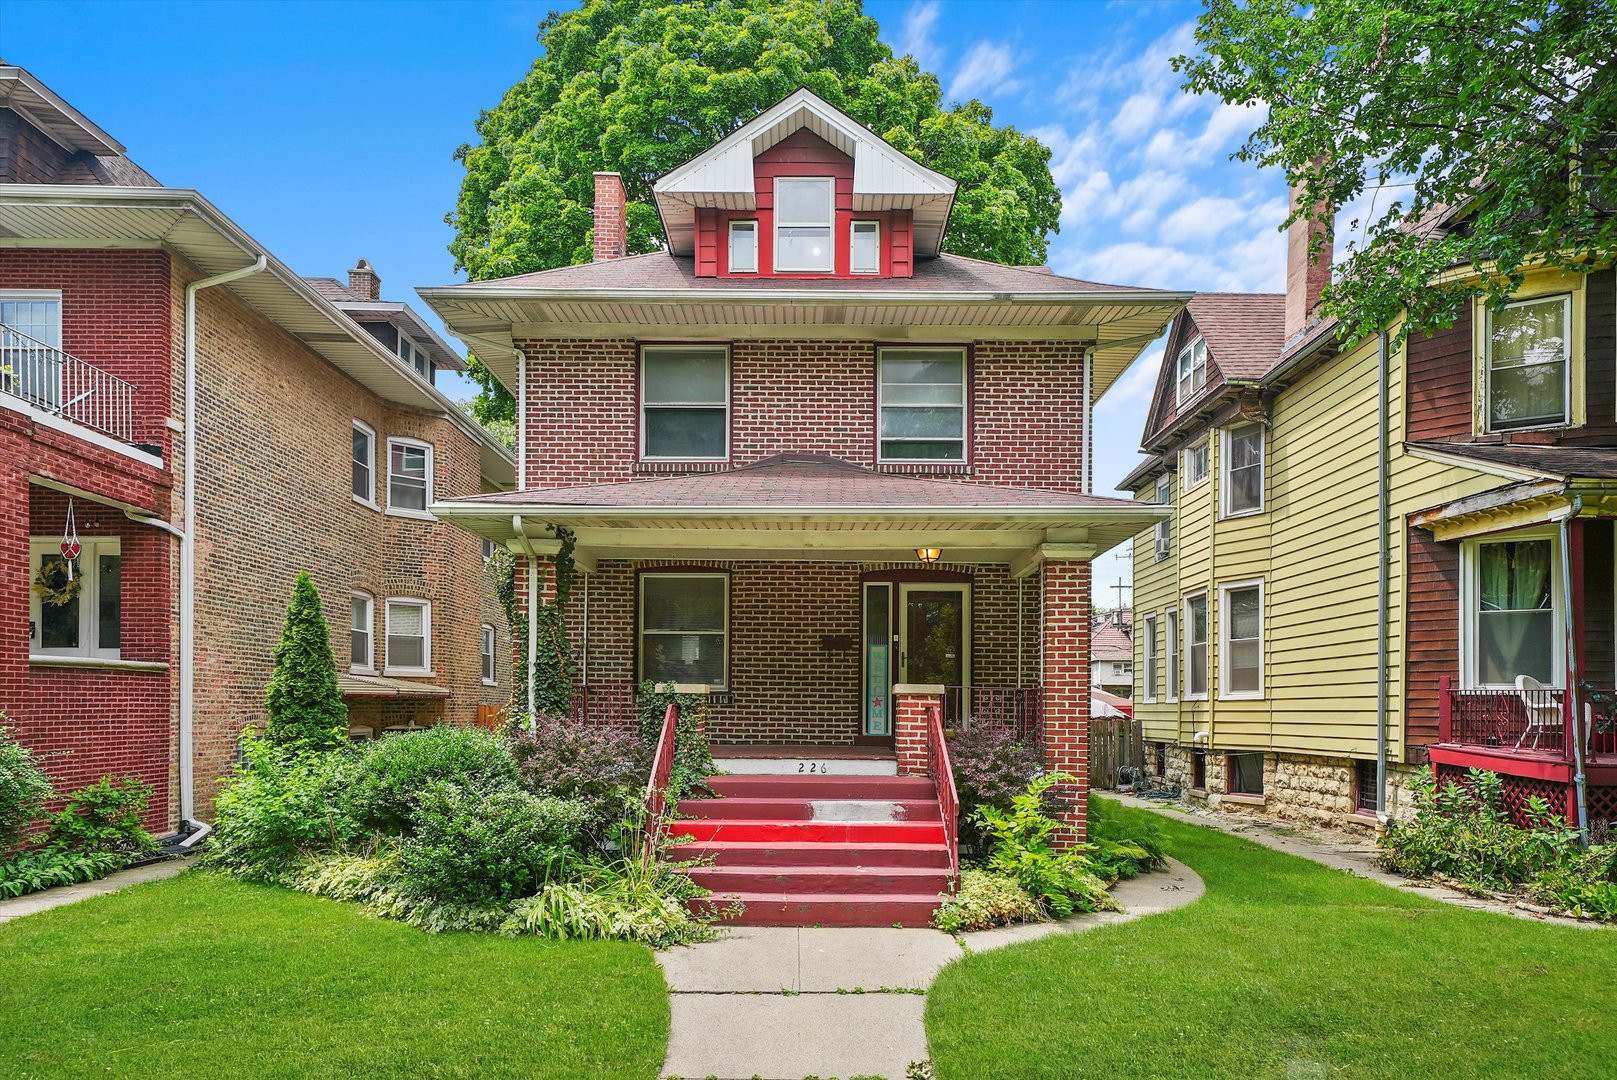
(1364, 787)
(1243, 774)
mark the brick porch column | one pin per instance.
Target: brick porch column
(909, 724)
(1064, 665)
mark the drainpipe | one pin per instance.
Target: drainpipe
(533, 607)
(1383, 572)
(1089, 423)
(1573, 705)
(584, 660)
(522, 418)
(188, 537)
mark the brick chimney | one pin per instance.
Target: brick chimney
(364, 282)
(1305, 278)
(611, 217)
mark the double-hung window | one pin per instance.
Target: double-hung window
(409, 477)
(1241, 474)
(1510, 611)
(364, 464)
(1149, 659)
(685, 628)
(30, 346)
(864, 247)
(82, 616)
(685, 403)
(804, 209)
(1192, 370)
(1174, 677)
(921, 398)
(1196, 647)
(1164, 525)
(1195, 469)
(409, 637)
(415, 356)
(487, 655)
(361, 646)
(1240, 610)
(1527, 364)
(743, 257)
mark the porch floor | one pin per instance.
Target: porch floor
(837, 751)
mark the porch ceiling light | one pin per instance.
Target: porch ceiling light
(928, 555)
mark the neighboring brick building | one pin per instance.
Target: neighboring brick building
(299, 386)
(823, 464)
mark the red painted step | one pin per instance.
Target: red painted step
(861, 832)
(820, 909)
(801, 809)
(788, 853)
(768, 786)
(828, 880)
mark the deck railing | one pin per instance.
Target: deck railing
(941, 770)
(662, 773)
(1020, 709)
(63, 385)
(1535, 721)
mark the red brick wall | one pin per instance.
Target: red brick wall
(1066, 684)
(806, 397)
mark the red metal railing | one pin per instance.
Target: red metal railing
(939, 768)
(1525, 721)
(662, 772)
(1019, 709)
(606, 705)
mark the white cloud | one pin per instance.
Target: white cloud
(986, 69)
(915, 39)
(1202, 219)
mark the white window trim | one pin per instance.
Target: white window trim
(641, 631)
(745, 225)
(1186, 483)
(1224, 459)
(1162, 533)
(370, 500)
(830, 226)
(1224, 640)
(1470, 599)
(391, 669)
(90, 547)
(965, 406)
(1179, 396)
(489, 654)
(1567, 419)
(647, 349)
(1150, 682)
(853, 227)
(403, 341)
(369, 667)
(1184, 646)
(420, 515)
(1170, 637)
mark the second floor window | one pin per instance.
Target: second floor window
(743, 247)
(409, 477)
(685, 403)
(409, 637)
(364, 464)
(1165, 525)
(1196, 647)
(361, 646)
(1527, 364)
(1242, 472)
(1192, 370)
(864, 248)
(921, 398)
(804, 208)
(1195, 465)
(30, 340)
(1148, 657)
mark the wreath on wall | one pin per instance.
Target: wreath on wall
(55, 585)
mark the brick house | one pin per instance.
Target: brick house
(826, 472)
(143, 329)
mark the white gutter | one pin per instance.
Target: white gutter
(1120, 508)
(188, 534)
(1110, 297)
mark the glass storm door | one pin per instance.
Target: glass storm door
(876, 643)
(933, 634)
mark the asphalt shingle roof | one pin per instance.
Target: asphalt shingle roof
(1245, 332)
(1566, 462)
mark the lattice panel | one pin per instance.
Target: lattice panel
(1517, 791)
(1602, 805)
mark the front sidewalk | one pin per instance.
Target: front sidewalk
(63, 895)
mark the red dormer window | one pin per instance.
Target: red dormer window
(743, 255)
(805, 210)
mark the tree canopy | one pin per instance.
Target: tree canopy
(640, 86)
(1487, 125)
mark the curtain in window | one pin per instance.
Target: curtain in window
(1516, 623)
(682, 633)
(406, 636)
(1527, 364)
(923, 405)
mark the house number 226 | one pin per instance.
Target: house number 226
(810, 767)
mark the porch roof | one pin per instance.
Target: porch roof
(1550, 483)
(808, 507)
(353, 685)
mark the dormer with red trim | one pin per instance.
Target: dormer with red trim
(804, 191)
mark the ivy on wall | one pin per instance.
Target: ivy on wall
(553, 669)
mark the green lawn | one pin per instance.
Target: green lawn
(204, 976)
(1285, 969)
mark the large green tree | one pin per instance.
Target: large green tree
(1503, 110)
(640, 86)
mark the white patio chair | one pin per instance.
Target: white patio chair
(1542, 710)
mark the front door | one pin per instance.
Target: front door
(934, 633)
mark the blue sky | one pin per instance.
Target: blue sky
(328, 130)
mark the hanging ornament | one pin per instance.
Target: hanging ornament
(70, 539)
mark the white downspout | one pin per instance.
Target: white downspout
(522, 419)
(1089, 424)
(1383, 572)
(533, 606)
(188, 527)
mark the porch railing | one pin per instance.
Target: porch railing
(1538, 721)
(1020, 709)
(63, 385)
(941, 770)
(615, 705)
(662, 773)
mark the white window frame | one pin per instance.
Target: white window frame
(853, 227)
(1196, 352)
(488, 654)
(1225, 457)
(1189, 478)
(1170, 636)
(1163, 533)
(397, 511)
(27, 296)
(965, 406)
(641, 631)
(369, 498)
(741, 225)
(648, 350)
(1225, 638)
(489, 548)
(830, 225)
(1150, 685)
(369, 666)
(1566, 419)
(414, 356)
(90, 549)
(1471, 601)
(1185, 623)
(389, 668)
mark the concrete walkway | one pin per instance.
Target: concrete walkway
(782, 1003)
(63, 895)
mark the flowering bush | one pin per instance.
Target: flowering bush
(991, 767)
(602, 769)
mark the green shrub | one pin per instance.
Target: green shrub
(1123, 844)
(305, 707)
(1062, 881)
(601, 768)
(104, 816)
(1581, 885)
(394, 771)
(472, 846)
(31, 871)
(278, 808)
(629, 899)
(23, 788)
(693, 757)
(983, 900)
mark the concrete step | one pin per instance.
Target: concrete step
(737, 807)
(808, 766)
(784, 853)
(784, 786)
(856, 881)
(823, 909)
(858, 832)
